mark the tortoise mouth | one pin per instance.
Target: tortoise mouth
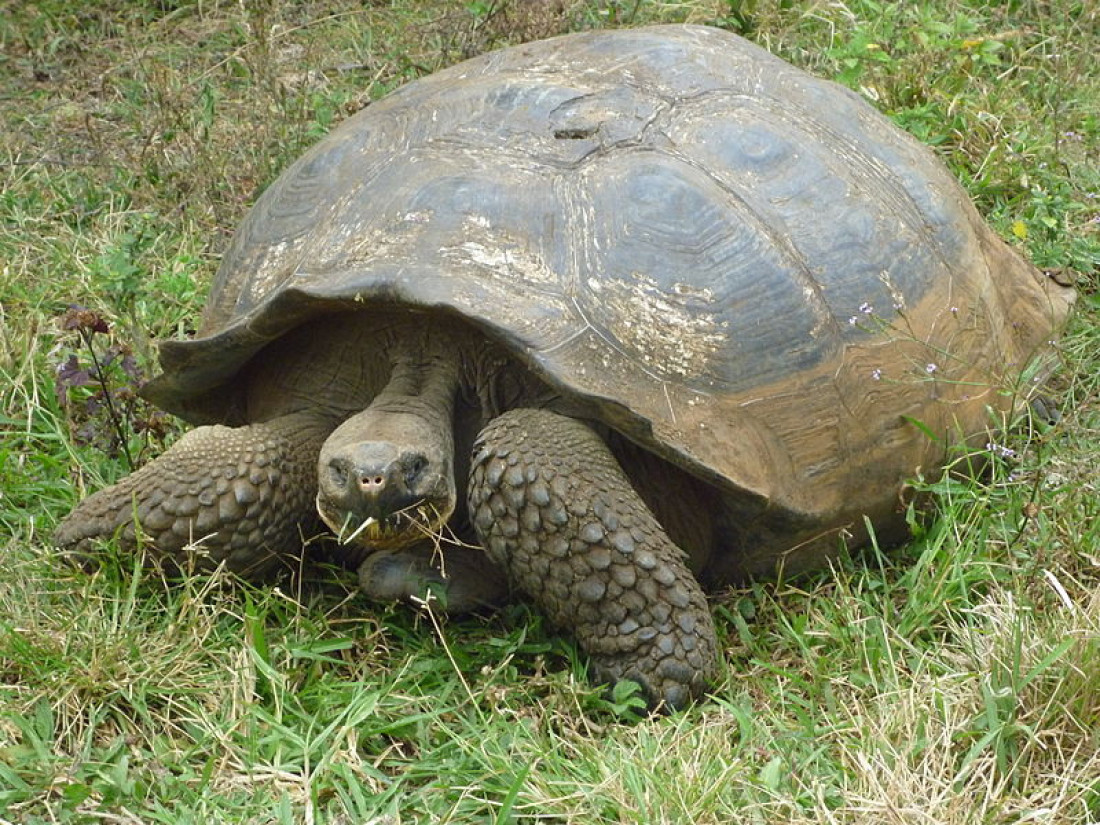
(402, 528)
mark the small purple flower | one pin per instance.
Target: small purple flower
(930, 368)
(853, 321)
(876, 374)
(866, 308)
(1000, 449)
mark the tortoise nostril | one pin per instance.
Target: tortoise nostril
(372, 483)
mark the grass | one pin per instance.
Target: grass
(953, 680)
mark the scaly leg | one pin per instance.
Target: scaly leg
(554, 509)
(234, 495)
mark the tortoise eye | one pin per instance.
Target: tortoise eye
(415, 465)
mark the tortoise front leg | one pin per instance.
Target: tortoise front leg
(554, 509)
(238, 495)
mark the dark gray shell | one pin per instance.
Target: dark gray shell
(748, 269)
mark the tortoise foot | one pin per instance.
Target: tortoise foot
(457, 579)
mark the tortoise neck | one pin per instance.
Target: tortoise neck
(425, 374)
(391, 467)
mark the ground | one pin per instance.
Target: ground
(952, 680)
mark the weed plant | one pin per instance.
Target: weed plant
(952, 680)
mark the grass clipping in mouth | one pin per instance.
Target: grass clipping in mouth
(400, 529)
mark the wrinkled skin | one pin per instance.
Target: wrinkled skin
(419, 431)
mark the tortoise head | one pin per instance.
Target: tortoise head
(386, 478)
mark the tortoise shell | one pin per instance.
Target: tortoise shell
(741, 267)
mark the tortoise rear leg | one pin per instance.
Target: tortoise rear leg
(554, 509)
(232, 495)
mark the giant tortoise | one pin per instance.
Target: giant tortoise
(601, 321)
